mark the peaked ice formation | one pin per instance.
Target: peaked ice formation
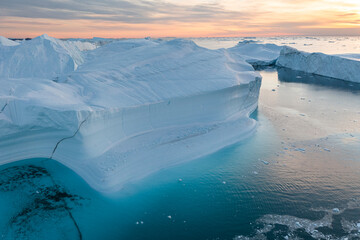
(344, 67)
(120, 112)
(7, 42)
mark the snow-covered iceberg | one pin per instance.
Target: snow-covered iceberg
(124, 110)
(255, 53)
(344, 67)
(7, 42)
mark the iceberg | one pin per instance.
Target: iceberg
(344, 67)
(7, 42)
(256, 54)
(117, 113)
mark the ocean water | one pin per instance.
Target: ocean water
(297, 177)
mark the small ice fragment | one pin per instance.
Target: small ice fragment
(326, 149)
(298, 225)
(37, 192)
(298, 77)
(180, 179)
(301, 114)
(224, 182)
(273, 90)
(300, 149)
(336, 210)
(137, 223)
(265, 162)
(302, 98)
(358, 225)
(255, 172)
(169, 217)
(141, 222)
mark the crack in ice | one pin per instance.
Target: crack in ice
(66, 138)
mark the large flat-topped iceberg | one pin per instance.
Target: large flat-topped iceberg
(255, 53)
(124, 110)
(345, 67)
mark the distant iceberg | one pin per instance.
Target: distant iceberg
(344, 67)
(255, 53)
(7, 42)
(117, 113)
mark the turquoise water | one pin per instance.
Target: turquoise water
(297, 177)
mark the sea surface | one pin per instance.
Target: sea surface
(297, 177)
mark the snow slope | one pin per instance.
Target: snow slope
(340, 67)
(122, 111)
(255, 53)
(7, 42)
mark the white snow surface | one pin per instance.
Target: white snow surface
(344, 67)
(7, 42)
(256, 54)
(125, 110)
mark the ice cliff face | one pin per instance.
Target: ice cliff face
(344, 66)
(120, 112)
(341, 67)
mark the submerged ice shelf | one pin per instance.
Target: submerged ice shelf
(120, 112)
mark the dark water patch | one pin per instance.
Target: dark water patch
(42, 204)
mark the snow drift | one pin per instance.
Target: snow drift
(122, 111)
(340, 67)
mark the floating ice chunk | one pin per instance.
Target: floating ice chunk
(300, 150)
(320, 64)
(256, 54)
(335, 210)
(326, 149)
(265, 162)
(169, 217)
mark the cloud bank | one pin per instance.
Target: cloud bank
(139, 18)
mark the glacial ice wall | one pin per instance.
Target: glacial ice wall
(341, 67)
(120, 112)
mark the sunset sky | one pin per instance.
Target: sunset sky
(173, 18)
